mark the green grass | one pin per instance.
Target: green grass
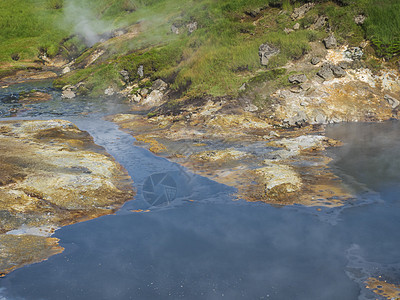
(212, 59)
(216, 59)
(383, 26)
(27, 26)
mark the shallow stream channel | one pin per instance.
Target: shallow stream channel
(184, 236)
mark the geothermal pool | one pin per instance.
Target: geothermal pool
(204, 244)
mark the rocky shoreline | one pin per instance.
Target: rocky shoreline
(51, 175)
(329, 84)
(274, 154)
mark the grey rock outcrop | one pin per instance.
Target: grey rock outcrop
(266, 51)
(296, 89)
(154, 98)
(66, 70)
(344, 65)
(191, 27)
(326, 72)
(135, 98)
(299, 119)
(250, 108)
(288, 30)
(338, 71)
(68, 93)
(253, 13)
(300, 12)
(357, 64)
(140, 71)
(174, 29)
(330, 42)
(315, 60)
(319, 23)
(354, 53)
(360, 19)
(159, 85)
(118, 33)
(125, 75)
(144, 92)
(392, 101)
(329, 71)
(109, 91)
(306, 86)
(243, 87)
(318, 117)
(297, 79)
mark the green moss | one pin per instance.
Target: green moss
(268, 75)
(382, 26)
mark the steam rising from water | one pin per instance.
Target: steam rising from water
(86, 22)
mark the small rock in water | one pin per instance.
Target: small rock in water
(68, 94)
(109, 91)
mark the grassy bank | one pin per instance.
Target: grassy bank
(216, 59)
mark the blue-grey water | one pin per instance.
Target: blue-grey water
(215, 247)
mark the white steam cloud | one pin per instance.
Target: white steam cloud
(85, 22)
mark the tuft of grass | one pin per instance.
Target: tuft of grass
(55, 4)
(27, 26)
(382, 26)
